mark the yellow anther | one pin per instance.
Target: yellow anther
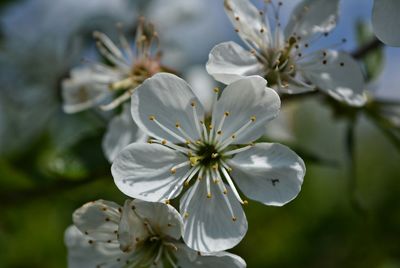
(215, 166)
(219, 132)
(253, 118)
(194, 160)
(193, 104)
(150, 141)
(216, 181)
(173, 170)
(234, 218)
(214, 155)
(225, 191)
(208, 196)
(198, 142)
(226, 113)
(186, 183)
(152, 117)
(167, 202)
(163, 142)
(216, 90)
(186, 215)
(177, 125)
(187, 142)
(233, 136)
(210, 127)
(245, 202)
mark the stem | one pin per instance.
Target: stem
(352, 180)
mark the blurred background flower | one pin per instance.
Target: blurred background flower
(347, 214)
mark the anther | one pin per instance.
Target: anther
(226, 113)
(261, 12)
(173, 170)
(208, 196)
(236, 30)
(215, 166)
(167, 202)
(342, 64)
(253, 118)
(234, 218)
(214, 155)
(299, 54)
(177, 125)
(216, 89)
(193, 104)
(261, 30)
(233, 136)
(219, 132)
(186, 215)
(245, 202)
(237, 18)
(152, 117)
(163, 142)
(324, 62)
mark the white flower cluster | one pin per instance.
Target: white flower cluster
(169, 144)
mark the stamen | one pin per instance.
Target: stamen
(189, 140)
(108, 44)
(190, 196)
(205, 132)
(124, 42)
(230, 182)
(229, 140)
(112, 58)
(171, 145)
(158, 256)
(183, 164)
(170, 260)
(192, 173)
(115, 103)
(196, 118)
(214, 107)
(222, 188)
(172, 133)
(239, 150)
(208, 175)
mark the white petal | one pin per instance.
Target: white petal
(187, 257)
(311, 17)
(269, 173)
(202, 85)
(131, 228)
(98, 219)
(209, 226)
(341, 77)
(247, 19)
(83, 89)
(121, 131)
(144, 171)
(163, 218)
(168, 98)
(228, 62)
(83, 252)
(386, 21)
(255, 100)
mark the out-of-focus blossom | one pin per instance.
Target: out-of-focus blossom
(139, 234)
(386, 21)
(283, 56)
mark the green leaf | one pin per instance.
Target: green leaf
(373, 62)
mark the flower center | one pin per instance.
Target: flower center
(207, 155)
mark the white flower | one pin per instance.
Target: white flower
(92, 85)
(212, 153)
(139, 234)
(386, 21)
(282, 56)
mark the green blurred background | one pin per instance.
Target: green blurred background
(345, 216)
